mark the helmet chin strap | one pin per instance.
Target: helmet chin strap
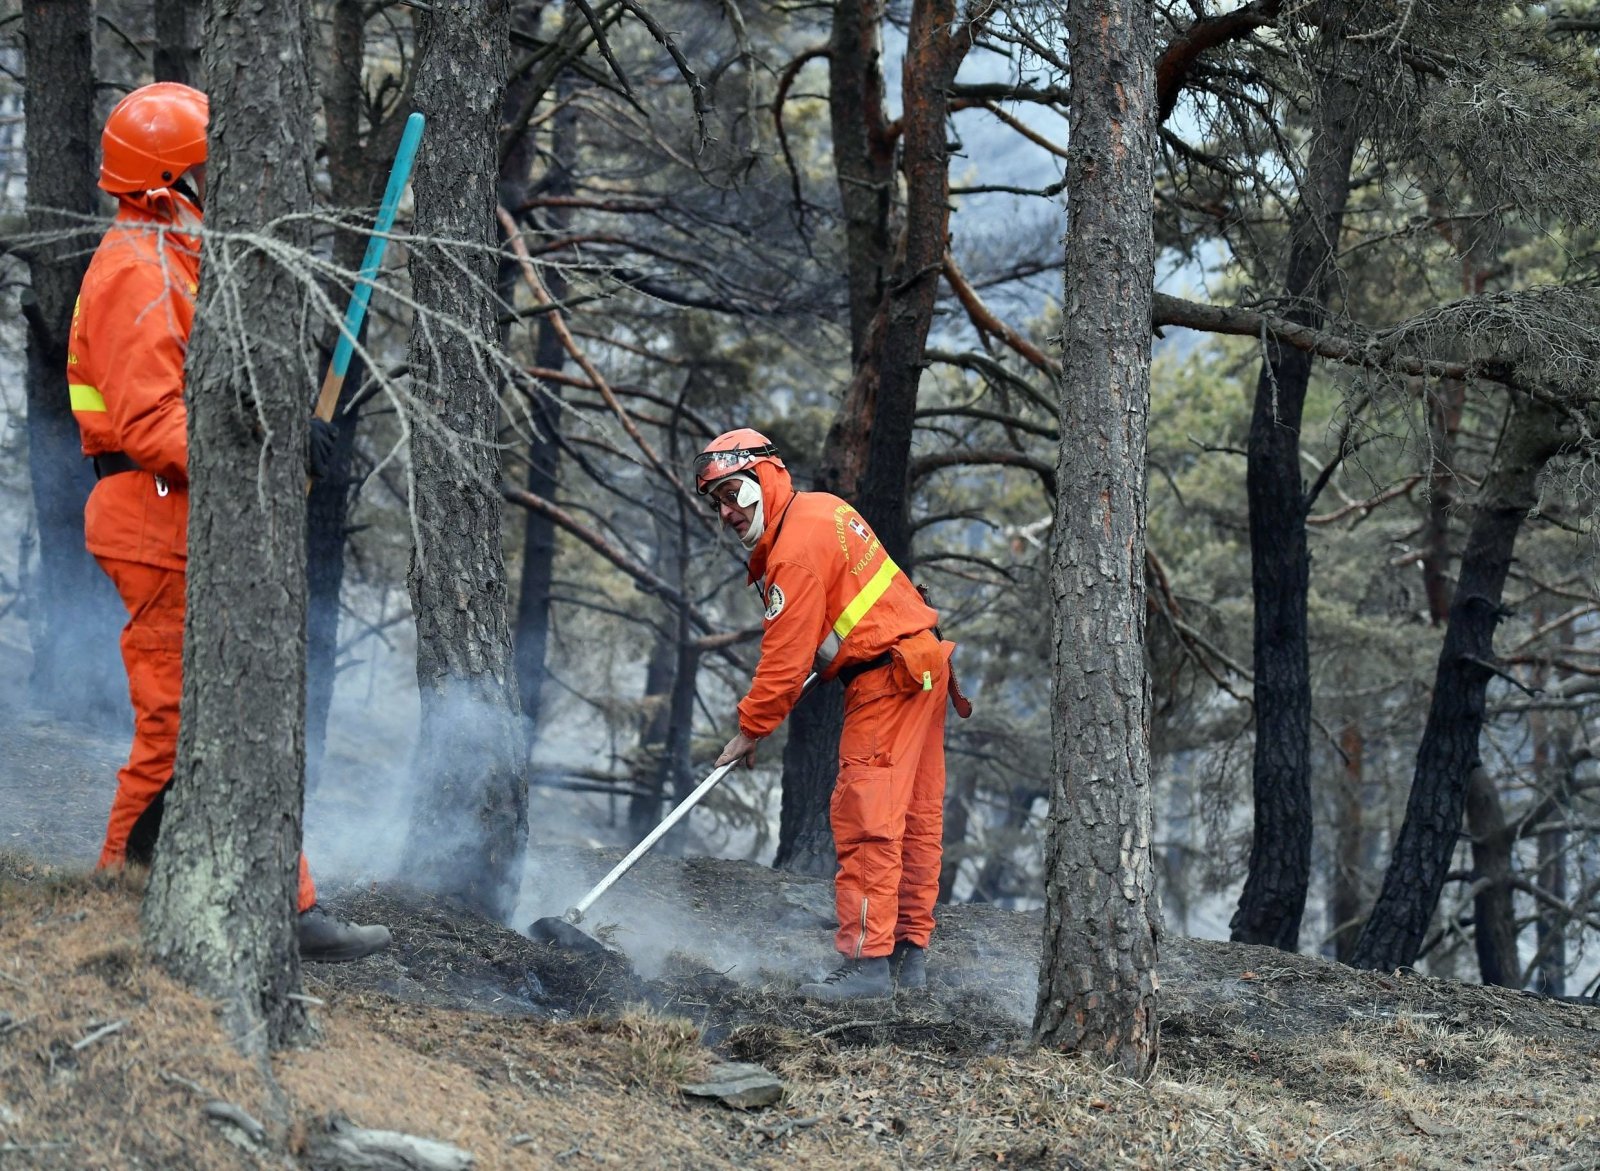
(750, 493)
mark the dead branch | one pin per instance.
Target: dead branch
(1366, 506)
(575, 351)
(987, 324)
(99, 1034)
(785, 80)
(697, 89)
(1176, 61)
(1023, 129)
(928, 464)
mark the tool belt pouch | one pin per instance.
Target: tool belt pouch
(918, 661)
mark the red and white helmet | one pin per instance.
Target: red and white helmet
(739, 450)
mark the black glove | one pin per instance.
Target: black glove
(319, 456)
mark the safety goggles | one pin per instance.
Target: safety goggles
(729, 461)
(738, 492)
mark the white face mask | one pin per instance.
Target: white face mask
(750, 493)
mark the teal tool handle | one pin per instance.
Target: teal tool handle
(399, 176)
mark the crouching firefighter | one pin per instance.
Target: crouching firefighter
(130, 332)
(838, 604)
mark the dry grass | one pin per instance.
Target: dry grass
(1430, 1078)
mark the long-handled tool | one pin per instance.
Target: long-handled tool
(564, 930)
(399, 176)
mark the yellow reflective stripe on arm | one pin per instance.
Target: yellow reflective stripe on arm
(862, 602)
(85, 397)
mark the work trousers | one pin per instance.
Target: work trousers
(888, 805)
(152, 652)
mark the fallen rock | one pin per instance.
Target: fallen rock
(739, 1084)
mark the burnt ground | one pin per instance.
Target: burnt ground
(470, 1031)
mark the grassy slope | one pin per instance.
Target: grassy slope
(1421, 1073)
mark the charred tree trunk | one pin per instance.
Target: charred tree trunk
(177, 51)
(1274, 895)
(868, 449)
(1347, 901)
(863, 160)
(810, 766)
(220, 910)
(957, 818)
(1549, 974)
(1494, 926)
(1097, 989)
(73, 611)
(892, 355)
(1448, 753)
(544, 411)
(1494, 921)
(357, 173)
(470, 825)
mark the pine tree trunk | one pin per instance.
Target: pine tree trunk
(810, 766)
(355, 177)
(220, 910)
(177, 49)
(74, 613)
(892, 291)
(1274, 895)
(892, 357)
(544, 416)
(1097, 986)
(1346, 902)
(1494, 919)
(1448, 753)
(470, 824)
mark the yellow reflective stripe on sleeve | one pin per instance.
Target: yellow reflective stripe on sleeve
(85, 397)
(862, 602)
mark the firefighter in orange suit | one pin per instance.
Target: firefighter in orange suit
(837, 603)
(130, 332)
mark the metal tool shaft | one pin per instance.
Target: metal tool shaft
(576, 912)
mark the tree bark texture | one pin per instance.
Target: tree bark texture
(1346, 902)
(220, 910)
(892, 353)
(177, 48)
(810, 768)
(544, 406)
(353, 179)
(470, 824)
(1097, 983)
(864, 167)
(73, 612)
(1494, 919)
(1274, 895)
(892, 278)
(1448, 753)
(1494, 928)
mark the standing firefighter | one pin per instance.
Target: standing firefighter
(836, 603)
(130, 332)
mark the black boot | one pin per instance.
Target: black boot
(863, 979)
(910, 965)
(325, 939)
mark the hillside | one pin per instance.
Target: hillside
(527, 1056)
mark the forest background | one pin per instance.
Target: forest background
(712, 194)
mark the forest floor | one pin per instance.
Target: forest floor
(529, 1056)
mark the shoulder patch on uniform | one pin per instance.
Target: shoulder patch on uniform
(775, 600)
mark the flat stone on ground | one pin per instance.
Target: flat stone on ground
(739, 1084)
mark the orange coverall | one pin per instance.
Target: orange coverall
(835, 600)
(130, 332)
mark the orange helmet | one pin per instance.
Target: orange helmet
(153, 135)
(733, 451)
